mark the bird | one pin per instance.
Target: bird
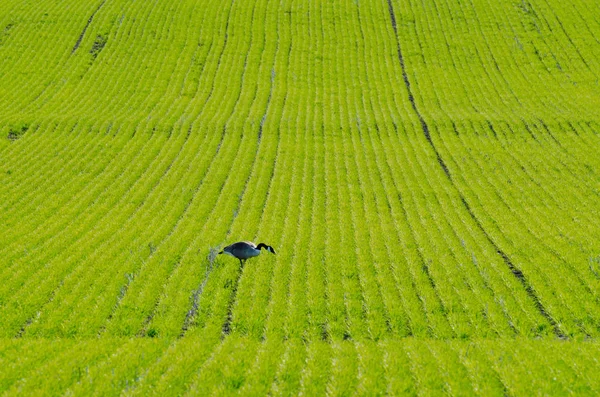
(243, 250)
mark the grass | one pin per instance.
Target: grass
(427, 173)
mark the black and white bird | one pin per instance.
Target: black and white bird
(243, 250)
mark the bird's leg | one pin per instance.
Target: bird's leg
(241, 263)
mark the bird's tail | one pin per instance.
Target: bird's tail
(221, 252)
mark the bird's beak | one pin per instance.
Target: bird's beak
(272, 250)
(220, 252)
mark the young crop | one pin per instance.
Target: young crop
(426, 171)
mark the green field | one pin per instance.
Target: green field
(427, 171)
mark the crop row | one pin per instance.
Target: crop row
(137, 237)
(483, 60)
(476, 60)
(539, 267)
(113, 224)
(353, 293)
(540, 212)
(409, 366)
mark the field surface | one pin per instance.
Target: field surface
(427, 171)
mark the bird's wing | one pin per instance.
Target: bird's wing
(241, 245)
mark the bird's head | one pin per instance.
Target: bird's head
(266, 247)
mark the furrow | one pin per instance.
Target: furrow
(516, 271)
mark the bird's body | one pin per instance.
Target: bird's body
(244, 250)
